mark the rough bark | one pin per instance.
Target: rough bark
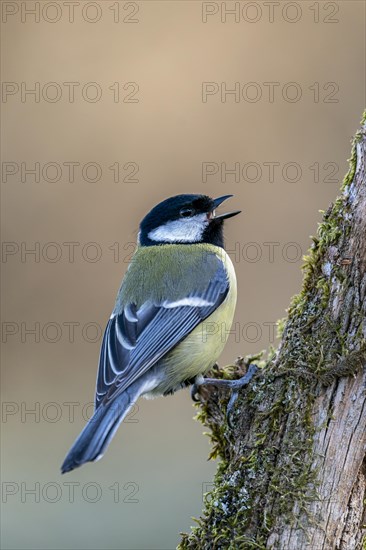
(292, 473)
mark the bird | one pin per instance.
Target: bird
(171, 318)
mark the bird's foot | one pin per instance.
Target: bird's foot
(233, 385)
(199, 381)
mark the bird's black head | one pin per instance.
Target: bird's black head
(185, 219)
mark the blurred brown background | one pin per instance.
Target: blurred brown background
(303, 63)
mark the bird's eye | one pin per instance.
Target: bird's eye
(186, 212)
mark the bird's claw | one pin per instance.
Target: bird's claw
(230, 407)
(234, 385)
(195, 392)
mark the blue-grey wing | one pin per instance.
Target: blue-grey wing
(136, 338)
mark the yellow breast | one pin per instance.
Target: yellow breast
(199, 351)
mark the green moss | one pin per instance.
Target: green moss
(216, 434)
(281, 323)
(239, 486)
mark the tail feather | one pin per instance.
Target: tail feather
(99, 431)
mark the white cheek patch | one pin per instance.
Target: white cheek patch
(183, 230)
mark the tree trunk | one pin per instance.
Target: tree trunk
(292, 473)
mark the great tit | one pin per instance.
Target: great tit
(171, 318)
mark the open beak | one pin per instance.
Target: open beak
(226, 215)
